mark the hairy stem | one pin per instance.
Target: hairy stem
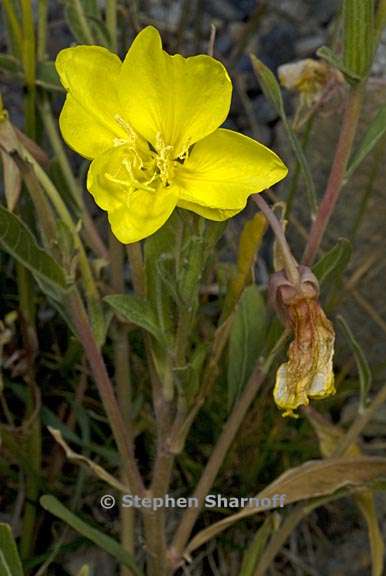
(106, 391)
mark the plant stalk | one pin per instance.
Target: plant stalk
(106, 391)
(291, 266)
(338, 169)
(123, 386)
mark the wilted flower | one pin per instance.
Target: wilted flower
(309, 371)
(150, 124)
(308, 77)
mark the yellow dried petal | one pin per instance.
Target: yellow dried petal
(309, 370)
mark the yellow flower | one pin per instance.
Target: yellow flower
(309, 370)
(150, 126)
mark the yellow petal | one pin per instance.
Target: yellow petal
(134, 212)
(88, 120)
(224, 168)
(177, 99)
(217, 214)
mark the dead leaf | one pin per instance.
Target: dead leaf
(310, 480)
(79, 459)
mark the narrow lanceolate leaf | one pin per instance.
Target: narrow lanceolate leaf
(246, 340)
(10, 564)
(271, 89)
(18, 241)
(334, 262)
(47, 76)
(310, 480)
(330, 436)
(78, 22)
(256, 548)
(373, 134)
(358, 36)
(364, 371)
(269, 84)
(366, 504)
(52, 505)
(138, 311)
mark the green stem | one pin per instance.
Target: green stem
(338, 169)
(42, 30)
(82, 20)
(134, 253)
(29, 64)
(15, 31)
(111, 22)
(278, 540)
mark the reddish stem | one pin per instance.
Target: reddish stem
(338, 169)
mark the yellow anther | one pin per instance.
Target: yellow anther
(164, 159)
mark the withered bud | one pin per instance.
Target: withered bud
(308, 77)
(309, 371)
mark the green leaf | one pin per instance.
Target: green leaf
(358, 36)
(256, 548)
(364, 370)
(77, 21)
(334, 262)
(138, 311)
(52, 505)
(10, 564)
(269, 84)
(271, 89)
(18, 241)
(376, 129)
(246, 340)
